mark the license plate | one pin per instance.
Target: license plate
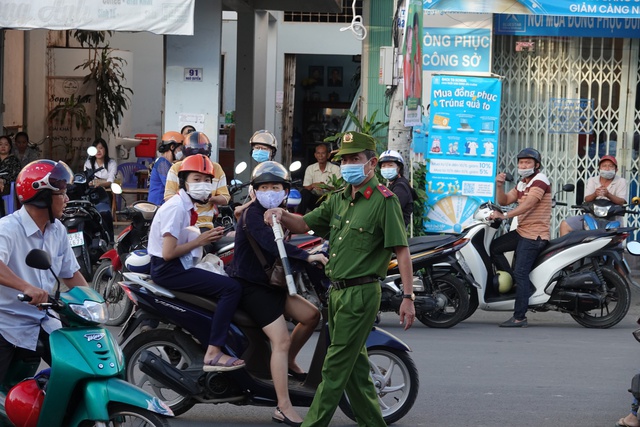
(76, 239)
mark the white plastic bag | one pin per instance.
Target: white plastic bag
(212, 263)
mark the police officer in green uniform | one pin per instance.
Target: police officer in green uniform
(365, 227)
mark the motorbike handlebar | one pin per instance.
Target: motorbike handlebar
(24, 298)
(561, 204)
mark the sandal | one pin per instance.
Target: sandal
(215, 365)
(622, 423)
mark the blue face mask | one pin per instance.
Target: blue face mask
(353, 174)
(389, 173)
(260, 155)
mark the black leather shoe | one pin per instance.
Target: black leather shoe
(300, 376)
(284, 419)
(513, 323)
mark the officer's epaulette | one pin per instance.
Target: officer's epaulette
(385, 191)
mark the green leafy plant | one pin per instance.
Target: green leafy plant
(420, 206)
(106, 71)
(368, 126)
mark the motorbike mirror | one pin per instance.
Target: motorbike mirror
(92, 151)
(240, 167)
(116, 188)
(37, 258)
(508, 177)
(635, 200)
(295, 166)
(568, 188)
(633, 248)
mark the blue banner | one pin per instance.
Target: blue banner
(588, 8)
(456, 49)
(462, 147)
(565, 26)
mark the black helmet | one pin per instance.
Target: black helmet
(531, 153)
(196, 143)
(270, 172)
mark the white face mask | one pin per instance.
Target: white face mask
(607, 174)
(524, 173)
(178, 155)
(200, 191)
(270, 199)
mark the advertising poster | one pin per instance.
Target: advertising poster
(412, 65)
(462, 147)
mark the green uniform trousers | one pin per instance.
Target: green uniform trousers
(352, 312)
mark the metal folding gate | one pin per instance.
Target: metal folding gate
(601, 73)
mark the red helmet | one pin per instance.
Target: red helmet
(196, 143)
(42, 175)
(198, 163)
(23, 403)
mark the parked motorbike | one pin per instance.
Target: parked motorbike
(112, 263)
(602, 213)
(442, 299)
(582, 273)
(84, 385)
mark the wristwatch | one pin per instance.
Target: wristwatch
(411, 296)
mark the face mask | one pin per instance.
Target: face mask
(260, 155)
(389, 173)
(607, 174)
(524, 173)
(179, 155)
(270, 199)
(199, 191)
(353, 174)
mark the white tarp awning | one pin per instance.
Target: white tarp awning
(156, 16)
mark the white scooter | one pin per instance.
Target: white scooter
(582, 274)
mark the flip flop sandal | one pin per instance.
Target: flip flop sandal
(622, 423)
(214, 364)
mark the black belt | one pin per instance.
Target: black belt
(347, 283)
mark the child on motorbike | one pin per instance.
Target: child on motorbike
(605, 186)
(172, 263)
(170, 150)
(266, 304)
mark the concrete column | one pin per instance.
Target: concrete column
(199, 52)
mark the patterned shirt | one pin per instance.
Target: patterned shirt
(536, 222)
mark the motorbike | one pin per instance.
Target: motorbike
(167, 361)
(441, 297)
(602, 213)
(582, 273)
(87, 217)
(112, 263)
(84, 386)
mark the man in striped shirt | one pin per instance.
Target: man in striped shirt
(533, 195)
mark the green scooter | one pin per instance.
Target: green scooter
(85, 385)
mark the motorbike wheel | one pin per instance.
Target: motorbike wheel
(84, 260)
(473, 301)
(395, 378)
(180, 351)
(616, 305)
(122, 415)
(453, 303)
(105, 282)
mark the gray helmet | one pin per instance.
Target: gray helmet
(270, 172)
(264, 137)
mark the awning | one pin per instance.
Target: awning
(584, 8)
(160, 17)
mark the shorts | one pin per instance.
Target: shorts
(575, 222)
(263, 303)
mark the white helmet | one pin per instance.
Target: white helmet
(483, 213)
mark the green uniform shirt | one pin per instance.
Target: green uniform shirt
(363, 230)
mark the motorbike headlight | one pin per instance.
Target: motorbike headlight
(601, 211)
(92, 311)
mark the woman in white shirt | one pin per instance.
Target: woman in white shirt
(107, 175)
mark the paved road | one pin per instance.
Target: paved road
(554, 373)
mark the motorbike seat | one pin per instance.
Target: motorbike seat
(573, 238)
(219, 244)
(424, 243)
(239, 317)
(302, 240)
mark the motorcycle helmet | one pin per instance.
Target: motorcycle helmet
(169, 141)
(483, 213)
(502, 282)
(139, 261)
(393, 156)
(24, 402)
(294, 199)
(270, 172)
(196, 163)
(531, 153)
(37, 181)
(196, 143)
(264, 137)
